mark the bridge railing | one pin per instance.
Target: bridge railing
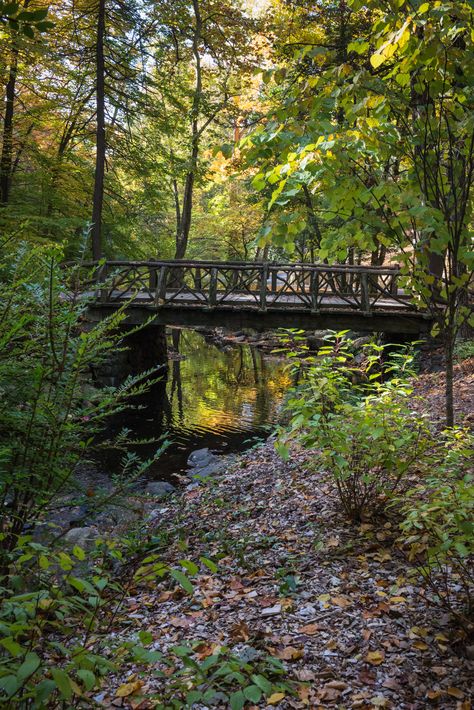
(248, 284)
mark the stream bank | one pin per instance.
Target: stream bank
(339, 605)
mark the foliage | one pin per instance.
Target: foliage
(56, 617)
(367, 436)
(369, 148)
(27, 21)
(438, 529)
(210, 675)
(47, 423)
(464, 349)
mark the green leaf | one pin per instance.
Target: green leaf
(237, 700)
(193, 697)
(36, 15)
(9, 684)
(145, 637)
(88, 678)
(79, 553)
(182, 580)
(12, 646)
(253, 693)
(29, 666)
(262, 683)
(44, 689)
(209, 564)
(63, 682)
(191, 567)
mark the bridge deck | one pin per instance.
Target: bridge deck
(256, 295)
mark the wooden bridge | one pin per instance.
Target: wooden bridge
(249, 294)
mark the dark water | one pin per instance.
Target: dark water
(224, 400)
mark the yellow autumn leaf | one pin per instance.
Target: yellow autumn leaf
(375, 658)
(397, 600)
(128, 689)
(455, 693)
(275, 698)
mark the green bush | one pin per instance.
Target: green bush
(47, 425)
(358, 416)
(438, 524)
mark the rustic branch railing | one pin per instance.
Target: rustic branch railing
(250, 285)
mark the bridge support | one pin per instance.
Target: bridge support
(144, 350)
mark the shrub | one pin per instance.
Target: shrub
(46, 423)
(438, 524)
(358, 415)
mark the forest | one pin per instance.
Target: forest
(236, 354)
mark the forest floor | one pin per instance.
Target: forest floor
(339, 605)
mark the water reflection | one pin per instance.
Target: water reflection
(215, 398)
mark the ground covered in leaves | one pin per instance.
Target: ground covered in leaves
(338, 605)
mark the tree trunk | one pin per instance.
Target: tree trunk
(101, 147)
(7, 143)
(449, 367)
(184, 225)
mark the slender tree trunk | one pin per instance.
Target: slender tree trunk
(449, 367)
(184, 225)
(101, 147)
(7, 142)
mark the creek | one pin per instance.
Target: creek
(222, 397)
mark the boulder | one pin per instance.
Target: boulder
(159, 489)
(358, 343)
(316, 341)
(201, 458)
(205, 471)
(82, 537)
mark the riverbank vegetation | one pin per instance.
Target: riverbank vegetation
(331, 566)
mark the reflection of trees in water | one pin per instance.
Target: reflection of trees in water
(176, 381)
(218, 390)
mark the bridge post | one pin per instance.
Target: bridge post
(101, 276)
(364, 293)
(263, 287)
(213, 288)
(314, 288)
(160, 293)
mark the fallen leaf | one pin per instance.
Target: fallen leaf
(305, 674)
(375, 658)
(341, 601)
(272, 610)
(455, 693)
(182, 622)
(290, 653)
(309, 629)
(420, 645)
(275, 698)
(128, 689)
(240, 631)
(337, 684)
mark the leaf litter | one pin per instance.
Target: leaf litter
(339, 605)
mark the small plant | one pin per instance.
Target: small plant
(211, 674)
(57, 612)
(438, 525)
